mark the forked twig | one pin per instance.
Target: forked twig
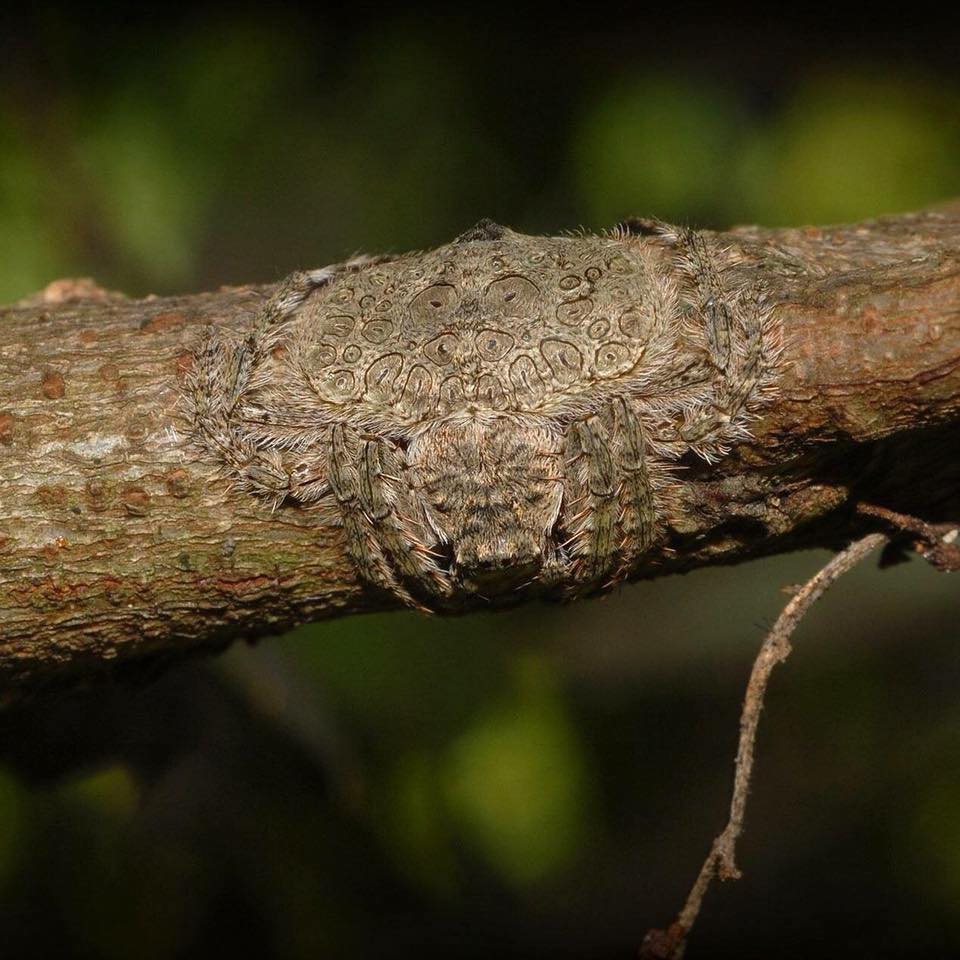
(669, 944)
(937, 543)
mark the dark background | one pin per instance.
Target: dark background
(541, 783)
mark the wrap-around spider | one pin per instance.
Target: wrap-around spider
(496, 414)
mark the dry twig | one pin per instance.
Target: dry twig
(937, 543)
(720, 863)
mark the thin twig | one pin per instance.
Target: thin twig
(669, 944)
(937, 543)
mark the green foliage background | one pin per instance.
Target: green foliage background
(536, 783)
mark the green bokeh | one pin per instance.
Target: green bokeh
(109, 793)
(658, 147)
(516, 781)
(850, 147)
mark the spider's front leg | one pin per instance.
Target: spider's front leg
(388, 536)
(610, 513)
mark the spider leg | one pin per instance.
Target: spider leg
(225, 364)
(743, 347)
(225, 374)
(388, 536)
(638, 507)
(610, 514)
(215, 384)
(591, 495)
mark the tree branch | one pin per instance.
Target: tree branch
(120, 545)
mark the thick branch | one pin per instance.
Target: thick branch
(118, 544)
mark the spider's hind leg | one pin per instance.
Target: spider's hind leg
(215, 385)
(223, 373)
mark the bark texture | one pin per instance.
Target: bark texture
(120, 547)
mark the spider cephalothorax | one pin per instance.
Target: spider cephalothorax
(499, 412)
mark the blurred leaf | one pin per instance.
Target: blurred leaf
(125, 897)
(403, 675)
(853, 146)
(29, 249)
(656, 147)
(417, 826)
(932, 848)
(230, 74)
(148, 188)
(110, 792)
(516, 781)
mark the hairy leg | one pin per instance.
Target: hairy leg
(742, 343)
(638, 519)
(610, 513)
(216, 382)
(387, 533)
(224, 373)
(590, 503)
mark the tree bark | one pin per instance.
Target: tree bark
(121, 547)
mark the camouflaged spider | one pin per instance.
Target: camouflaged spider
(497, 413)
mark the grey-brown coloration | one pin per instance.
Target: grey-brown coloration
(497, 414)
(120, 548)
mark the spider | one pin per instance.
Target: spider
(498, 414)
